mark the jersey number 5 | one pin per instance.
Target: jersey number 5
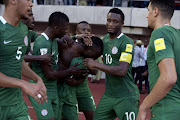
(19, 53)
(130, 116)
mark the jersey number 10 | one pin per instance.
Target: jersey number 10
(108, 59)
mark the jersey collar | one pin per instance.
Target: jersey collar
(3, 20)
(120, 35)
(44, 34)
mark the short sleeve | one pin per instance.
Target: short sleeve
(41, 47)
(127, 51)
(162, 46)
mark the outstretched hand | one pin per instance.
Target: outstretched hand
(86, 38)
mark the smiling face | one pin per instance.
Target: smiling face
(114, 23)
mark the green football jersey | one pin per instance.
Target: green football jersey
(13, 46)
(31, 37)
(43, 45)
(79, 60)
(164, 43)
(119, 49)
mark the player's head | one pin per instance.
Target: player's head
(115, 21)
(160, 8)
(95, 50)
(29, 22)
(83, 27)
(60, 23)
(22, 8)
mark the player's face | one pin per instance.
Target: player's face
(24, 8)
(67, 40)
(150, 17)
(62, 30)
(83, 28)
(113, 23)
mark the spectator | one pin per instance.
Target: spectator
(91, 2)
(143, 63)
(68, 2)
(136, 64)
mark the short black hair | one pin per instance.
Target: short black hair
(57, 18)
(166, 7)
(83, 22)
(117, 11)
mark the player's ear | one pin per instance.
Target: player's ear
(13, 2)
(155, 11)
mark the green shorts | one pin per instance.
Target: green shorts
(68, 107)
(110, 107)
(166, 109)
(85, 99)
(14, 112)
(47, 110)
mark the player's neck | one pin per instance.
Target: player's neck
(50, 33)
(11, 17)
(161, 22)
(113, 36)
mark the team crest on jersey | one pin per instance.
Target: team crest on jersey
(26, 40)
(114, 50)
(44, 112)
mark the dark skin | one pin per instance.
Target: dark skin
(114, 25)
(57, 32)
(68, 49)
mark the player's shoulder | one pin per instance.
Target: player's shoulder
(127, 40)
(41, 40)
(23, 26)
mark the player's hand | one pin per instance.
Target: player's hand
(47, 58)
(142, 113)
(34, 90)
(70, 81)
(90, 63)
(74, 70)
(86, 38)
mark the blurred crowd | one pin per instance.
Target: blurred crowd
(115, 3)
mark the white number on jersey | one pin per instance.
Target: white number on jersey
(130, 116)
(19, 53)
(108, 59)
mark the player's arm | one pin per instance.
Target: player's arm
(165, 82)
(52, 74)
(27, 72)
(119, 70)
(31, 58)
